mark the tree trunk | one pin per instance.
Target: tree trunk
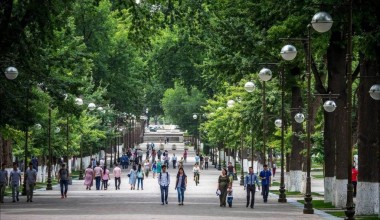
(296, 157)
(5, 152)
(337, 84)
(368, 140)
(329, 160)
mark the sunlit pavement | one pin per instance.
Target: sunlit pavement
(201, 201)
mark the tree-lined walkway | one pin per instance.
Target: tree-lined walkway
(201, 201)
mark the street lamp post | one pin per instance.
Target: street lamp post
(91, 106)
(265, 75)
(195, 117)
(321, 22)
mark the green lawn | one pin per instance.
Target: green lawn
(293, 193)
(39, 185)
(319, 204)
(318, 176)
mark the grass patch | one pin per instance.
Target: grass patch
(275, 184)
(39, 185)
(367, 217)
(339, 214)
(318, 176)
(319, 204)
(277, 192)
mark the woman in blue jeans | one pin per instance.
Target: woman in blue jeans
(140, 178)
(180, 185)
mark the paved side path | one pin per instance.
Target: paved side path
(201, 202)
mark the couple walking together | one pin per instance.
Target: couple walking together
(180, 185)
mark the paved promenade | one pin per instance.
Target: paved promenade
(200, 202)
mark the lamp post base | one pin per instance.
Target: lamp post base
(80, 175)
(235, 177)
(242, 180)
(219, 167)
(308, 206)
(282, 196)
(49, 186)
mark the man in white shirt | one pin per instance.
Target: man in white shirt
(15, 181)
(117, 175)
(31, 178)
(174, 160)
(101, 163)
(164, 182)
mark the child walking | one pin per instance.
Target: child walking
(230, 195)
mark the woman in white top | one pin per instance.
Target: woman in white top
(146, 168)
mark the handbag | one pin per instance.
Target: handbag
(218, 192)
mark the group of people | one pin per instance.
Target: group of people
(251, 180)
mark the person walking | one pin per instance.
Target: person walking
(223, 183)
(274, 167)
(89, 177)
(180, 185)
(105, 177)
(159, 167)
(63, 179)
(230, 195)
(201, 159)
(15, 182)
(181, 162)
(31, 178)
(159, 154)
(153, 155)
(146, 167)
(174, 160)
(164, 182)
(154, 169)
(132, 177)
(140, 177)
(117, 176)
(249, 185)
(98, 171)
(197, 158)
(3, 182)
(231, 171)
(354, 179)
(265, 176)
(206, 162)
(185, 156)
(166, 160)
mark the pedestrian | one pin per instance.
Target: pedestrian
(117, 176)
(101, 162)
(249, 185)
(274, 166)
(98, 173)
(105, 177)
(174, 160)
(31, 178)
(63, 179)
(181, 162)
(35, 163)
(154, 169)
(231, 171)
(15, 182)
(206, 162)
(159, 167)
(230, 195)
(132, 177)
(265, 176)
(164, 182)
(159, 154)
(185, 156)
(140, 177)
(153, 155)
(197, 158)
(136, 160)
(146, 167)
(89, 177)
(201, 159)
(166, 160)
(93, 163)
(354, 179)
(180, 185)
(3, 182)
(223, 182)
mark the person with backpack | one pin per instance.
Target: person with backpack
(15, 182)
(164, 182)
(63, 179)
(140, 177)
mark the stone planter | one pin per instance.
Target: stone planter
(174, 147)
(162, 146)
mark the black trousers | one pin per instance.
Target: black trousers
(117, 182)
(251, 189)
